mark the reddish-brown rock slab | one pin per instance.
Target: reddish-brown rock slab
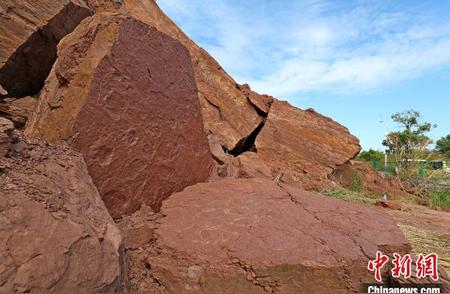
(124, 94)
(18, 110)
(253, 235)
(29, 33)
(303, 145)
(56, 235)
(261, 102)
(372, 181)
(226, 111)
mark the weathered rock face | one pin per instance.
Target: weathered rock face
(6, 128)
(56, 235)
(251, 236)
(371, 180)
(304, 146)
(18, 110)
(124, 94)
(29, 33)
(226, 111)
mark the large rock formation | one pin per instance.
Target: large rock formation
(226, 111)
(304, 146)
(55, 232)
(251, 236)
(124, 94)
(29, 33)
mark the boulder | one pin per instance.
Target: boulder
(124, 94)
(303, 146)
(56, 235)
(372, 181)
(29, 33)
(226, 111)
(18, 110)
(254, 235)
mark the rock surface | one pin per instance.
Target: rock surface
(29, 33)
(124, 94)
(226, 111)
(372, 181)
(18, 110)
(55, 232)
(253, 235)
(303, 145)
(6, 127)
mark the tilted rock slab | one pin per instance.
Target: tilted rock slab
(56, 235)
(124, 94)
(253, 235)
(29, 33)
(226, 111)
(304, 146)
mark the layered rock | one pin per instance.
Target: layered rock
(253, 235)
(18, 110)
(124, 94)
(29, 33)
(55, 232)
(302, 146)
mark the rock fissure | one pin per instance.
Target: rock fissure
(33, 60)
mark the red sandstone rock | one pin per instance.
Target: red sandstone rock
(372, 181)
(304, 146)
(29, 33)
(124, 94)
(251, 236)
(6, 126)
(226, 111)
(261, 102)
(18, 110)
(56, 235)
(391, 204)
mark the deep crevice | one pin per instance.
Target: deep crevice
(247, 144)
(27, 68)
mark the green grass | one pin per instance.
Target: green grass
(440, 198)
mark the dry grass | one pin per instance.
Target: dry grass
(425, 242)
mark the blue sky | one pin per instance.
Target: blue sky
(355, 61)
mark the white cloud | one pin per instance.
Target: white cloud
(293, 48)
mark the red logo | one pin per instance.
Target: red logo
(426, 266)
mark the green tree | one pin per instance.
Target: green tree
(443, 145)
(371, 155)
(410, 140)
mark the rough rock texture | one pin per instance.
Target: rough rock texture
(18, 110)
(56, 235)
(372, 181)
(6, 129)
(29, 33)
(303, 145)
(226, 111)
(253, 235)
(124, 94)
(261, 102)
